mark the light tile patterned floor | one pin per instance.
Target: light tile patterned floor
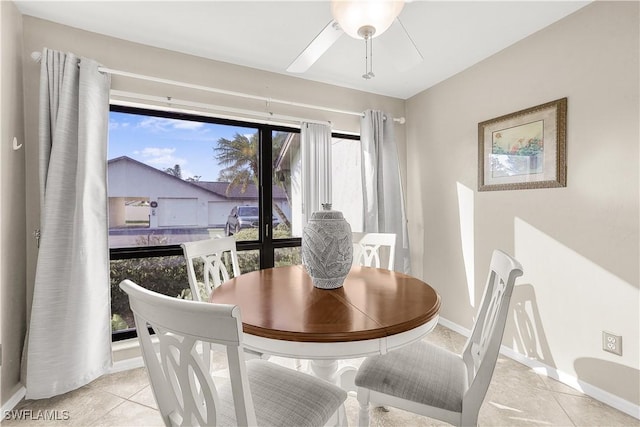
(517, 397)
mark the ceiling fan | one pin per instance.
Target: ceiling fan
(363, 20)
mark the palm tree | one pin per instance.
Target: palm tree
(239, 156)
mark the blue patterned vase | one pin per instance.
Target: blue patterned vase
(327, 248)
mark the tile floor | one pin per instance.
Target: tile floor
(517, 397)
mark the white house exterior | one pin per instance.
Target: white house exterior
(141, 193)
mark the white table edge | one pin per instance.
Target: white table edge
(337, 350)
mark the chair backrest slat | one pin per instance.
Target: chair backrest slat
(215, 256)
(367, 249)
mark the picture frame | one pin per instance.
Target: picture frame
(525, 149)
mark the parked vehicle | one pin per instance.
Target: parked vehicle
(242, 217)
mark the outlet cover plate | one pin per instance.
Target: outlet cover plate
(612, 343)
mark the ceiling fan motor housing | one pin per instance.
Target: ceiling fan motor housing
(366, 31)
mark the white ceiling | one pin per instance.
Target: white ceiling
(269, 35)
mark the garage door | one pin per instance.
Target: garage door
(218, 213)
(174, 212)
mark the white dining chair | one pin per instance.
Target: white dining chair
(427, 380)
(368, 248)
(209, 253)
(258, 393)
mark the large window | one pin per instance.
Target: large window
(174, 178)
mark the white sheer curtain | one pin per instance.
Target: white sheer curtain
(315, 142)
(69, 333)
(384, 209)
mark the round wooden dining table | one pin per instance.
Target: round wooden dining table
(375, 311)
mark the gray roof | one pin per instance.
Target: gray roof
(235, 192)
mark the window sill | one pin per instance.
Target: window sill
(126, 355)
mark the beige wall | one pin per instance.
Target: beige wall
(12, 202)
(579, 245)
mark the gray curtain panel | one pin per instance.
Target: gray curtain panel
(315, 141)
(69, 333)
(384, 207)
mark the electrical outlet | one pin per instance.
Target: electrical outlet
(612, 343)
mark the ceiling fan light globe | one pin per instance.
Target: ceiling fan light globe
(352, 15)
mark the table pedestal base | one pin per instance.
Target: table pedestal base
(327, 369)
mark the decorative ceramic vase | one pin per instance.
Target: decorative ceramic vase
(327, 248)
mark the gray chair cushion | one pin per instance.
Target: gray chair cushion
(284, 397)
(420, 373)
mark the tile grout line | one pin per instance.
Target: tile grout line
(553, 394)
(96, 420)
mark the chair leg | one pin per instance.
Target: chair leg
(469, 418)
(363, 413)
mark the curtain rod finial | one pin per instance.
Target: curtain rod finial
(400, 120)
(36, 56)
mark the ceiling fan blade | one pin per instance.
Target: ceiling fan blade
(398, 45)
(319, 45)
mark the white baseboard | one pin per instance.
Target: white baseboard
(13, 401)
(127, 355)
(599, 394)
(454, 327)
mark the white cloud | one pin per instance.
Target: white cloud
(114, 125)
(161, 158)
(160, 124)
(156, 151)
(181, 124)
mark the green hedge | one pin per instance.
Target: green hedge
(165, 275)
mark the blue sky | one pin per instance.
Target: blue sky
(162, 143)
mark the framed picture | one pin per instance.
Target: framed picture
(525, 149)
